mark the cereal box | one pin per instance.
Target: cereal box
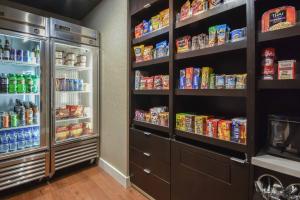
(180, 122)
(189, 78)
(182, 79)
(196, 78)
(189, 123)
(200, 124)
(206, 71)
(224, 129)
(212, 127)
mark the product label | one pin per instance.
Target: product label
(277, 17)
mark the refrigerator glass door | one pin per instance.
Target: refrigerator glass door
(75, 67)
(20, 89)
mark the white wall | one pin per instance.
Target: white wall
(110, 19)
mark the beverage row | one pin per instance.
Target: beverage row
(24, 114)
(19, 139)
(64, 84)
(19, 83)
(9, 53)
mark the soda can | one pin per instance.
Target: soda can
(13, 139)
(21, 139)
(4, 143)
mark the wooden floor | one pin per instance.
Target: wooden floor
(85, 184)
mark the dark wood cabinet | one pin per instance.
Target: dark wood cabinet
(202, 174)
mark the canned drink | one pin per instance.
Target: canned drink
(13, 53)
(21, 139)
(4, 142)
(20, 55)
(5, 120)
(26, 56)
(13, 119)
(13, 139)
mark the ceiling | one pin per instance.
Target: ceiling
(76, 9)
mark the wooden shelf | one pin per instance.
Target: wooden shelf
(150, 36)
(151, 62)
(279, 34)
(278, 84)
(212, 92)
(212, 141)
(210, 13)
(151, 92)
(151, 126)
(231, 46)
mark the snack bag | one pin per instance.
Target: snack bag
(183, 44)
(158, 85)
(147, 55)
(220, 81)
(196, 78)
(165, 82)
(198, 6)
(163, 119)
(212, 36)
(139, 53)
(146, 27)
(138, 31)
(185, 11)
(149, 83)
(189, 78)
(206, 71)
(165, 17)
(162, 49)
(241, 81)
(155, 22)
(222, 34)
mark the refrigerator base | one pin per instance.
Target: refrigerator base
(21, 170)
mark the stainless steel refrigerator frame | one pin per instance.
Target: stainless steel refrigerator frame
(27, 165)
(70, 152)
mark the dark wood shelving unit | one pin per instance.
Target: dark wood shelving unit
(278, 84)
(212, 141)
(231, 46)
(212, 92)
(293, 31)
(157, 61)
(210, 13)
(151, 126)
(151, 92)
(150, 36)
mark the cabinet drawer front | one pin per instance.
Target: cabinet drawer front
(200, 173)
(151, 184)
(147, 161)
(147, 142)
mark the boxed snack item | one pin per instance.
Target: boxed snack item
(158, 83)
(155, 114)
(239, 130)
(143, 83)
(62, 113)
(76, 130)
(183, 44)
(214, 3)
(286, 69)
(62, 133)
(212, 36)
(220, 81)
(224, 129)
(185, 11)
(163, 119)
(139, 115)
(75, 110)
(87, 128)
(238, 34)
(137, 79)
(190, 123)
(165, 81)
(155, 23)
(189, 78)
(162, 49)
(147, 55)
(198, 6)
(241, 81)
(196, 78)
(138, 31)
(230, 81)
(180, 122)
(278, 18)
(206, 71)
(212, 81)
(268, 63)
(200, 124)
(203, 40)
(182, 79)
(139, 53)
(222, 34)
(212, 127)
(195, 43)
(165, 17)
(149, 83)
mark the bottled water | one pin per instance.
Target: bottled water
(4, 145)
(28, 138)
(35, 136)
(21, 139)
(13, 139)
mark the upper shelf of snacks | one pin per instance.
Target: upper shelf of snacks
(200, 10)
(279, 23)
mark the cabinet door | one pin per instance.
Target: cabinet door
(201, 174)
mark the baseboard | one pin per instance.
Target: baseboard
(115, 173)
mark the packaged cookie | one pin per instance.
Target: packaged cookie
(138, 31)
(196, 78)
(165, 82)
(185, 11)
(241, 81)
(203, 40)
(137, 79)
(198, 6)
(165, 17)
(139, 115)
(139, 51)
(183, 44)
(212, 36)
(147, 55)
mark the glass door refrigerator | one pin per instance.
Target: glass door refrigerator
(75, 109)
(24, 127)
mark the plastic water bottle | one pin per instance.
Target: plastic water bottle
(28, 140)
(36, 136)
(21, 139)
(4, 145)
(13, 139)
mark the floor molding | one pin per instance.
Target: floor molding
(115, 173)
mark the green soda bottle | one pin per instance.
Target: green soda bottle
(35, 83)
(12, 85)
(21, 84)
(29, 83)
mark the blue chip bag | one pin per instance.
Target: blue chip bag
(146, 25)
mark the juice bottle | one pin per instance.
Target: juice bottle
(21, 84)
(12, 85)
(29, 83)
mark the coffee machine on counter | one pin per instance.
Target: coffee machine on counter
(269, 187)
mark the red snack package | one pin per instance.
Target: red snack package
(138, 31)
